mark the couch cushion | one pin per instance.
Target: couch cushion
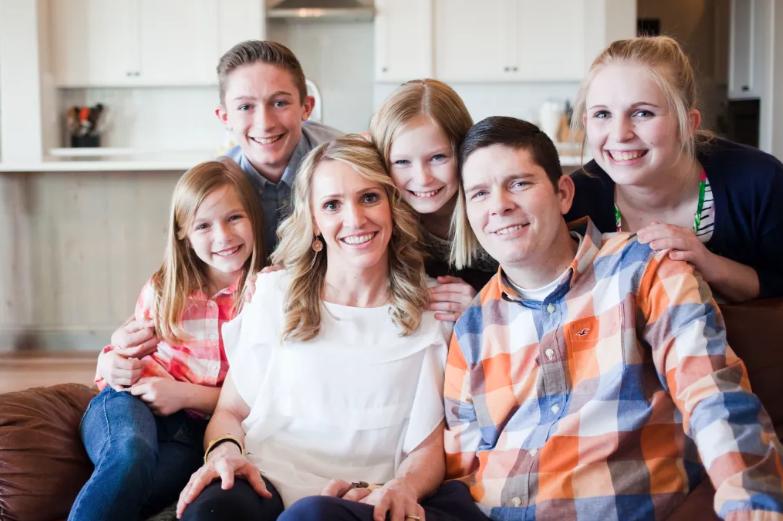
(755, 332)
(42, 462)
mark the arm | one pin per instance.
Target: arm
(450, 297)
(166, 396)
(225, 461)
(709, 385)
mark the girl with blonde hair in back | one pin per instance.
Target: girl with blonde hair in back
(711, 202)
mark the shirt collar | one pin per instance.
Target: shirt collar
(586, 253)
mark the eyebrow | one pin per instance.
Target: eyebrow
(273, 95)
(633, 105)
(506, 179)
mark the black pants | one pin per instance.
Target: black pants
(451, 502)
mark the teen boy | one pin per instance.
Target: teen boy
(590, 370)
(265, 106)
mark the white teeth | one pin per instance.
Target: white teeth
(623, 155)
(266, 140)
(509, 229)
(426, 195)
(358, 239)
(228, 251)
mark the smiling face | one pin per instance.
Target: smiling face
(263, 110)
(423, 165)
(221, 235)
(632, 132)
(353, 216)
(515, 212)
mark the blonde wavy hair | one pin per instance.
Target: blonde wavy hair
(407, 285)
(182, 272)
(670, 69)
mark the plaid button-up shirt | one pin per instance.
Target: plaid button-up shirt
(586, 405)
(202, 359)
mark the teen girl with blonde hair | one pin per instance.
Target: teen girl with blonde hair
(333, 405)
(709, 201)
(418, 130)
(144, 430)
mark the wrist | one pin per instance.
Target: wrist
(224, 446)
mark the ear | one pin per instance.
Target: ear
(565, 192)
(694, 119)
(222, 115)
(309, 105)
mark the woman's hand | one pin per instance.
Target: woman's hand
(397, 499)
(225, 462)
(450, 298)
(345, 490)
(163, 395)
(682, 242)
(117, 370)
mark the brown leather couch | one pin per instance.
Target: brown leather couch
(43, 464)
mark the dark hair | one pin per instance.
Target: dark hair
(263, 51)
(513, 133)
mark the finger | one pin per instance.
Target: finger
(336, 488)
(380, 510)
(200, 479)
(449, 279)
(444, 306)
(458, 289)
(356, 494)
(138, 348)
(447, 317)
(253, 477)
(226, 477)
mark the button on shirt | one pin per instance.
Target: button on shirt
(201, 359)
(576, 407)
(275, 198)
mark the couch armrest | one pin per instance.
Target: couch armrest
(42, 461)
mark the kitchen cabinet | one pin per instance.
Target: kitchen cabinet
(403, 40)
(495, 40)
(743, 53)
(146, 42)
(509, 40)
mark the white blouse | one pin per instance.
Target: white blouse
(348, 404)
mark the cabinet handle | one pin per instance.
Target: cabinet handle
(745, 88)
(506, 69)
(384, 69)
(514, 69)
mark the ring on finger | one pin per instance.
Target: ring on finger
(413, 516)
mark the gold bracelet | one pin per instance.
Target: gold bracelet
(223, 439)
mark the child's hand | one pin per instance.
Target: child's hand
(450, 298)
(135, 339)
(118, 371)
(163, 395)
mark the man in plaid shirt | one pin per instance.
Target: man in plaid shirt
(590, 378)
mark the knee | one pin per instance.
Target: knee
(313, 508)
(132, 456)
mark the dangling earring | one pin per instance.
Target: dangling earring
(317, 245)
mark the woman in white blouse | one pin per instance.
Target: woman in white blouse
(334, 392)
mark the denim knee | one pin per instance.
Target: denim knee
(132, 457)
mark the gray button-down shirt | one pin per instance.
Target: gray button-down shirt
(275, 198)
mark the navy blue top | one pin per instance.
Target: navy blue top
(747, 186)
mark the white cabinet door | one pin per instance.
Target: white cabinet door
(403, 40)
(742, 56)
(474, 40)
(550, 40)
(94, 42)
(178, 41)
(147, 42)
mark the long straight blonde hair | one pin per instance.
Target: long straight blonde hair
(182, 272)
(407, 286)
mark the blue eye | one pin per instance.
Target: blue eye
(643, 113)
(244, 107)
(601, 114)
(236, 217)
(331, 206)
(519, 184)
(201, 226)
(401, 162)
(478, 194)
(280, 104)
(439, 158)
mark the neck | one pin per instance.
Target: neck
(439, 223)
(217, 281)
(666, 192)
(273, 175)
(361, 288)
(551, 262)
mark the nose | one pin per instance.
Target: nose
(354, 215)
(499, 202)
(622, 128)
(220, 231)
(422, 174)
(263, 117)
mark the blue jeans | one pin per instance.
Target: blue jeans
(142, 461)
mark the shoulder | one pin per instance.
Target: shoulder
(318, 133)
(271, 285)
(235, 154)
(733, 163)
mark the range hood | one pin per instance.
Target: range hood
(321, 10)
